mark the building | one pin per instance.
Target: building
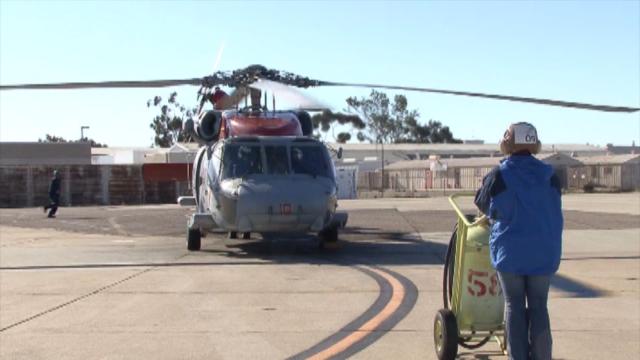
(120, 155)
(106, 176)
(368, 157)
(449, 173)
(617, 172)
(619, 150)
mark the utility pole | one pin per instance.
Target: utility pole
(382, 182)
(82, 132)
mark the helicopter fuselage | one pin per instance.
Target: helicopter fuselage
(265, 184)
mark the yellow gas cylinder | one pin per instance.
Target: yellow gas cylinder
(480, 305)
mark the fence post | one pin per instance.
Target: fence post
(67, 185)
(29, 186)
(105, 177)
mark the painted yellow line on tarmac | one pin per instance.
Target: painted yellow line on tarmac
(397, 295)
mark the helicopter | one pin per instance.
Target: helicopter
(260, 170)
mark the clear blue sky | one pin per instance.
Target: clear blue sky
(586, 51)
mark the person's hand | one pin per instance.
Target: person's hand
(484, 220)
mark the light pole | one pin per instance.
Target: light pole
(82, 132)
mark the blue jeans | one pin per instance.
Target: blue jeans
(526, 316)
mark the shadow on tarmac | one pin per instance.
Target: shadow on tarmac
(575, 288)
(379, 248)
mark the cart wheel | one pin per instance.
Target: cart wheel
(445, 335)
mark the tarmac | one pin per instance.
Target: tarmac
(117, 282)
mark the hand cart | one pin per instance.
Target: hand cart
(473, 312)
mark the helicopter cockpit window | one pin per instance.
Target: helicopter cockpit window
(277, 160)
(310, 160)
(241, 160)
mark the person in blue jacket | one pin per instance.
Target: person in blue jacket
(521, 196)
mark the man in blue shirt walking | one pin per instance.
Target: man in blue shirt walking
(521, 196)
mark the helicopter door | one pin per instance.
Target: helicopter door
(212, 174)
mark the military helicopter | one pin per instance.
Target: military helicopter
(259, 170)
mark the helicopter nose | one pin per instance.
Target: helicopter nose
(287, 205)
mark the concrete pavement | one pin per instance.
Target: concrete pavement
(126, 292)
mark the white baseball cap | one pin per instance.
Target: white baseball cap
(524, 133)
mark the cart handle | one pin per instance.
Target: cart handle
(452, 200)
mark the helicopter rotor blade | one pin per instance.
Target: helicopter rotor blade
(104, 84)
(292, 96)
(569, 104)
(243, 77)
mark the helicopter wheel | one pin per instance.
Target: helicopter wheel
(328, 238)
(246, 236)
(193, 239)
(233, 235)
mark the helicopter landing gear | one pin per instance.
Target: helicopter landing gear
(246, 236)
(232, 235)
(194, 237)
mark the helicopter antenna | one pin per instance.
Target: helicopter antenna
(265, 100)
(218, 57)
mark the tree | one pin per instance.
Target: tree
(343, 137)
(326, 118)
(433, 132)
(383, 119)
(322, 123)
(393, 122)
(167, 126)
(57, 139)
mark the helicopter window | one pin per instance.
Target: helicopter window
(310, 160)
(240, 160)
(277, 159)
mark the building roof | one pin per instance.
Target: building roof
(37, 153)
(610, 159)
(454, 148)
(559, 159)
(451, 163)
(551, 158)
(113, 150)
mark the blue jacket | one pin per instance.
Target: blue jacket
(522, 197)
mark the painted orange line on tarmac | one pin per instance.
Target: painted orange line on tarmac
(397, 295)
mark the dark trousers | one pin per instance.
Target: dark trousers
(54, 201)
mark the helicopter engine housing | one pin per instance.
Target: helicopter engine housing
(208, 127)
